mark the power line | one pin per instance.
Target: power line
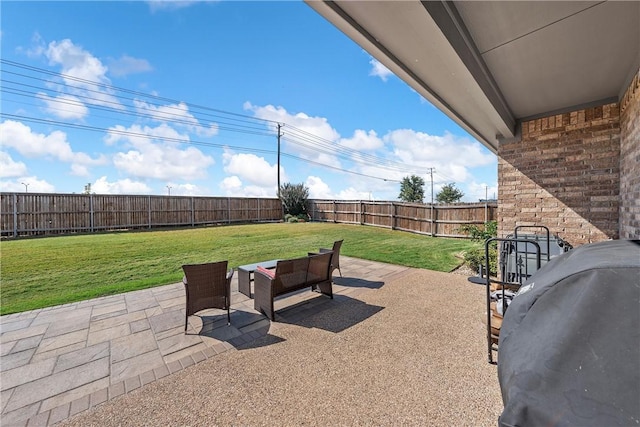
(197, 116)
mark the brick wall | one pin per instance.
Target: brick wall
(630, 161)
(565, 174)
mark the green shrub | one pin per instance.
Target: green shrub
(475, 257)
(480, 234)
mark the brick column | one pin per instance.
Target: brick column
(630, 161)
(564, 173)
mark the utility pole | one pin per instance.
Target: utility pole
(279, 135)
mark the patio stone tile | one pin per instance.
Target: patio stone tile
(14, 324)
(80, 357)
(139, 325)
(66, 326)
(42, 419)
(7, 348)
(98, 397)
(108, 300)
(20, 416)
(168, 303)
(45, 388)
(19, 334)
(170, 332)
(79, 405)
(166, 321)
(147, 377)
(63, 340)
(176, 356)
(131, 384)
(26, 373)
(132, 345)
(155, 311)
(14, 360)
(60, 413)
(116, 389)
(177, 342)
(101, 309)
(116, 321)
(174, 366)
(108, 334)
(58, 351)
(187, 361)
(141, 302)
(4, 398)
(108, 315)
(167, 294)
(27, 343)
(135, 365)
(161, 372)
(74, 394)
(62, 315)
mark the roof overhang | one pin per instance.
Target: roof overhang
(490, 65)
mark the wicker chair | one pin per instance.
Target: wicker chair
(335, 261)
(207, 286)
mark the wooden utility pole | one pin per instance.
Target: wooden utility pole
(279, 135)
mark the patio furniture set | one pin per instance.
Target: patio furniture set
(208, 285)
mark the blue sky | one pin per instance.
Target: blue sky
(159, 97)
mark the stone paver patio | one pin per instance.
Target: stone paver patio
(59, 361)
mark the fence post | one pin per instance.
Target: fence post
(15, 215)
(431, 221)
(91, 218)
(435, 221)
(149, 204)
(393, 216)
(335, 215)
(361, 212)
(193, 212)
(229, 210)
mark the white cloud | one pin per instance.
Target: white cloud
(64, 106)
(21, 138)
(187, 190)
(123, 186)
(34, 185)
(302, 127)
(126, 65)
(254, 169)
(178, 114)
(318, 189)
(83, 73)
(479, 191)
(450, 155)
(10, 168)
(157, 5)
(379, 70)
(231, 185)
(157, 153)
(362, 140)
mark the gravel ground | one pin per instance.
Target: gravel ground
(410, 353)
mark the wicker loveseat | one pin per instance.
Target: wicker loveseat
(291, 275)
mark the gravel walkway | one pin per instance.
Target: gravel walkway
(410, 353)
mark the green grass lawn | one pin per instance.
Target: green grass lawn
(42, 272)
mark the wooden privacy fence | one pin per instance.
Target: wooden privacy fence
(433, 220)
(29, 214)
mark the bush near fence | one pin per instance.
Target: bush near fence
(32, 214)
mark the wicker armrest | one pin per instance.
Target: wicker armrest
(230, 274)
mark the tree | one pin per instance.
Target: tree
(449, 194)
(411, 189)
(294, 198)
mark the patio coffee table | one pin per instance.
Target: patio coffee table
(245, 274)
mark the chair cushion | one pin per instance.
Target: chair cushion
(266, 271)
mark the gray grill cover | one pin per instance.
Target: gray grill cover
(569, 350)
